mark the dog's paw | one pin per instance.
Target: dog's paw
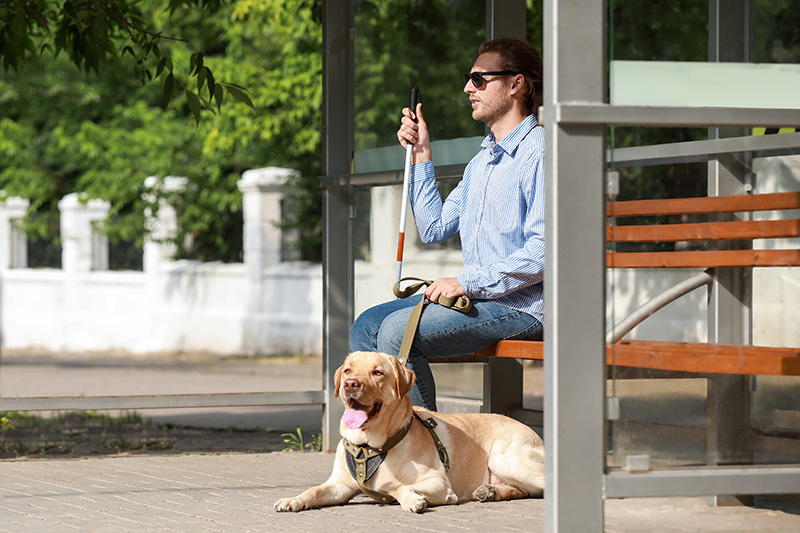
(416, 504)
(289, 504)
(485, 493)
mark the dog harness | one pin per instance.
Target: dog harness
(363, 460)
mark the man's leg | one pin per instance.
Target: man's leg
(364, 332)
(443, 332)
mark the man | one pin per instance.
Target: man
(498, 210)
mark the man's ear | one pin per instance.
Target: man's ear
(405, 378)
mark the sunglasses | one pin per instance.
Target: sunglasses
(477, 77)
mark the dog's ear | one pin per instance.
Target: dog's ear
(338, 379)
(405, 378)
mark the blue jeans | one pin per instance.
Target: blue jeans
(442, 332)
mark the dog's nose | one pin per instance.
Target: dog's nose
(351, 385)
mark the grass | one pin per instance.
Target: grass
(296, 443)
(25, 434)
(89, 433)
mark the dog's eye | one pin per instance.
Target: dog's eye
(377, 373)
(346, 370)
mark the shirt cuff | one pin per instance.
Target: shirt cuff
(421, 172)
(467, 284)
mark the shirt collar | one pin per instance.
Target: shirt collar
(511, 141)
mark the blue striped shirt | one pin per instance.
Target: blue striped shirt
(498, 209)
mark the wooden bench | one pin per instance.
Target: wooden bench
(729, 234)
(691, 357)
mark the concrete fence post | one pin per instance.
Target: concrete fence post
(82, 250)
(262, 193)
(13, 245)
(162, 225)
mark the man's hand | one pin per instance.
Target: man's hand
(444, 287)
(415, 133)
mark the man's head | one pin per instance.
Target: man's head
(520, 65)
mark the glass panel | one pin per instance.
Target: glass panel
(375, 249)
(400, 43)
(375, 236)
(680, 418)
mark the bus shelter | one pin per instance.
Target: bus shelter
(641, 102)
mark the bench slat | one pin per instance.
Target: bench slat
(706, 231)
(705, 204)
(704, 259)
(677, 356)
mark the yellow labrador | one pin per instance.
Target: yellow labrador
(491, 457)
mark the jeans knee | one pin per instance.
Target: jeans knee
(362, 335)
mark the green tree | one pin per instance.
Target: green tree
(102, 134)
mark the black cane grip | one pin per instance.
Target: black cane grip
(413, 100)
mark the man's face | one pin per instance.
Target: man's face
(491, 100)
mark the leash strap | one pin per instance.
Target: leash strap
(429, 424)
(460, 303)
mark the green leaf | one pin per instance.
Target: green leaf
(219, 94)
(211, 83)
(194, 104)
(198, 61)
(239, 95)
(201, 78)
(161, 64)
(169, 87)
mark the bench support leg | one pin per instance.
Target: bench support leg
(727, 440)
(502, 385)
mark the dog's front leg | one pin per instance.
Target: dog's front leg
(332, 492)
(432, 491)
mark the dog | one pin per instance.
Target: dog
(491, 457)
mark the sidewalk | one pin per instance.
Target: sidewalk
(235, 492)
(231, 492)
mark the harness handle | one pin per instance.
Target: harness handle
(461, 303)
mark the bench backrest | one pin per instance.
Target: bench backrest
(719, 232)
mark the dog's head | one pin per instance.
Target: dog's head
(370, 383)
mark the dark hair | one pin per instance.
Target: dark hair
(520, 56)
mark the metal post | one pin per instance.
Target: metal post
(729, 303)
(502, 379)
(505, 18)
(574, 60)
(337, 74)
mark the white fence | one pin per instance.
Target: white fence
(264, 306)
(261, 306)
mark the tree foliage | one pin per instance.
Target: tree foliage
(97, 95)
(97, 35)
(103, 133)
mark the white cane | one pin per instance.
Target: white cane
(413, 99)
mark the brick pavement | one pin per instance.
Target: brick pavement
(235, 492)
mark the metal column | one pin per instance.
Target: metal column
(502, 378)
(337, 75)
(574, 60)
(730, 297)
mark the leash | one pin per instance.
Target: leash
(460, 303)
(362, 459)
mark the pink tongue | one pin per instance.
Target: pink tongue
(354, 418)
